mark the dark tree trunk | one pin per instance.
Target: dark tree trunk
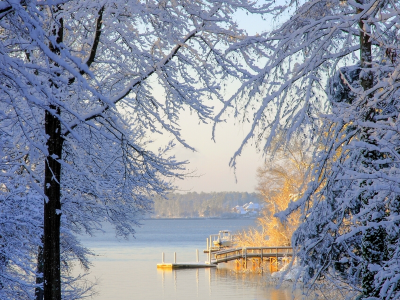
(52, 189)
(52, 208)
(373, 240)
(39, 277)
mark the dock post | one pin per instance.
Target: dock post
(174, 257)
(162, 257)
(245, 258)
(209, 257)
(197, 255)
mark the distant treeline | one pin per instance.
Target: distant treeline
(194, 205)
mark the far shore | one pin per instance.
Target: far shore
(200, 218)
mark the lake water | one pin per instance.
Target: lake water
(126, 269)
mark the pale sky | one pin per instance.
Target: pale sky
(211, 160)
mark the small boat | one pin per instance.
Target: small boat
(224, 239)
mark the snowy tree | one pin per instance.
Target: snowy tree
(280, 182)
(20, 223)
(78, 104)
(350, 210)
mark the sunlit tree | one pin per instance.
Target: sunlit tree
(333, 67)
(281, 180)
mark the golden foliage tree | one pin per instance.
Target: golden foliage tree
(280, 181)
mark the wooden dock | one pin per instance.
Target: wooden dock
(251, 252)
(240, 255)
(189, 265)
(185, 265)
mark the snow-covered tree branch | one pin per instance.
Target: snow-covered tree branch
(331, 72)
(78, 106)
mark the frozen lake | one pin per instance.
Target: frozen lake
(127, 270)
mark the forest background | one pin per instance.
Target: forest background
(194, 205)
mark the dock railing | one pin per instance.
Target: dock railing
(251, 252)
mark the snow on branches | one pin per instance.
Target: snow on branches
(77, 103)
(332, 71)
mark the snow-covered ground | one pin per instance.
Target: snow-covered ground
(289, 272)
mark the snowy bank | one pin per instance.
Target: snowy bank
(289, 272)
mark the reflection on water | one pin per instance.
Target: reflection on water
(127, 269)
(219, 283)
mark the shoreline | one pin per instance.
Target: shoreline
(214, 218)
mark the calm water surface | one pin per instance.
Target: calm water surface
(126, 269)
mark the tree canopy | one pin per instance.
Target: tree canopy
(330, 73)
(77, 115)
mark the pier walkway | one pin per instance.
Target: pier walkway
(239, 255)
(230, 254)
